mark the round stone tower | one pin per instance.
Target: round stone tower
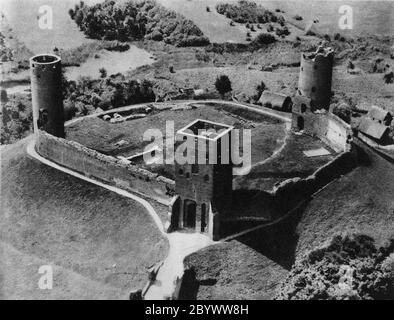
(46, 93)
(316, 76)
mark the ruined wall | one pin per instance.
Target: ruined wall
(291, 191)
(46, 93)
(327, 127)
(108, 169)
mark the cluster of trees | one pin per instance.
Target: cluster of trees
(18, 54)
(5, 53)
(84, 96)
(17, 118)
(134, 20)
(350, 267)
(247, 12)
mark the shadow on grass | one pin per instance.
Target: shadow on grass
(278, 241)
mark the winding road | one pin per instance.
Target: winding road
(181, 244)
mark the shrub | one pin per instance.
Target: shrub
(350, 267)
(343, 111)
(389, 77)
(3, 96)
(263, 39)
(350, 65)
(282, 31)
(103, 73)
(259, 90)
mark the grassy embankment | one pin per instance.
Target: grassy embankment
(254, 265)
(98, 242)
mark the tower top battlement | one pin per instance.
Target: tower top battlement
(322, 54)
(204, 129)
(45, 59)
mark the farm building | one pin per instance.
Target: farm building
(380, 115)
(276, 101)
(375, 130)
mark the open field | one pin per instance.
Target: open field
(243, 79)
(372, 18)
(99, 243)
(365, 89)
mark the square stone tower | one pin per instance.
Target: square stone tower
(204, 187)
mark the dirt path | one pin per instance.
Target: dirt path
(181, 244)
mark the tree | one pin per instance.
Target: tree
(223, 85)
(389, 77)
(3, 96)
(259, 90)
(71, 13)
(103, 73)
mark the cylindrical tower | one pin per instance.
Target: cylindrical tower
(46, 92)
(316, 77)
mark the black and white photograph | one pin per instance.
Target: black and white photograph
(223, 151)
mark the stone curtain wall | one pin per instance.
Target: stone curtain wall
(290, 192)
(333, 131)
(327, 127)
(90, 163)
